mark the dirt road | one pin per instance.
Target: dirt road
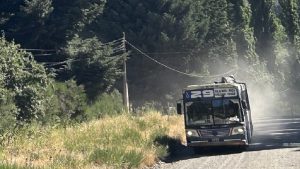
(275, 145)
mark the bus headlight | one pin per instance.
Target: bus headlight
(192, 133)
(237, 130)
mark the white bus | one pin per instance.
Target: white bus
(217, 114)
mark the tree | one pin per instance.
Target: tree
(270, 34)
(290, 16)
(28, 19)
(93, 64)
(221, 49)
(48, 24)
(172, 27)
(25, 80)
(243, 33)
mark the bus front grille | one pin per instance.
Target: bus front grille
(214, 132)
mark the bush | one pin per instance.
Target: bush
(106, 105)
(25, 79)
(68, 102)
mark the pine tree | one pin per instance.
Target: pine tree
(26, 21)
(240, 16)
(93, 65)
(219, 40)
(270, 34)
(172, 27)
(47, 24)
(291, 20)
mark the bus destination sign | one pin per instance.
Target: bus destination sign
(211, 93)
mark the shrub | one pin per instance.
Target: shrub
(106, 105)
(68, 102)
(25, 79)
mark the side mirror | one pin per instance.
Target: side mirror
(244, 104)
(179, 109)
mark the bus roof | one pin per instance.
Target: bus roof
(213, 85)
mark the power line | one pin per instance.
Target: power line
(114, 42)
(50, 64)
(115, 51)
(289, 89)
(175, 70)
(40, 50)
(120, 47)
(45, 54)
(283, 91)
(168, 53)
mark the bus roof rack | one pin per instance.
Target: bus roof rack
(228, 79)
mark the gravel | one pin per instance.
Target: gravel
(276, 145)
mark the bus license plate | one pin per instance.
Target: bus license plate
(215, 140)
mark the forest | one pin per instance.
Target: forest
(62, 60)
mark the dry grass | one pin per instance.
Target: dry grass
(113, 142)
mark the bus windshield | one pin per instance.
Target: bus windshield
(210, 112)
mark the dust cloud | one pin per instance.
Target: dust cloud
(266, 101)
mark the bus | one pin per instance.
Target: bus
(217, 114)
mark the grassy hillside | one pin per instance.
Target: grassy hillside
(113, 142)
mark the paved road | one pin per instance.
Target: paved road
(275, 145)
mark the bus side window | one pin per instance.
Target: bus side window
(244, 101)
(244, 105)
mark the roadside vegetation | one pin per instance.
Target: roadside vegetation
(122, 141)
(51, 124)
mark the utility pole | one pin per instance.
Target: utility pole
(125, 84)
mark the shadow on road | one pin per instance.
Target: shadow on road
(268, 135)
(178, 151)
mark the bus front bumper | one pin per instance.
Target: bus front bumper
(225, 142)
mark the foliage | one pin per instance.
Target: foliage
(270, 34)
(106, 105)
(240, 18)
(68, 103)
(204, 37)
(290, 18)
(25, 80)
(54, 21)
(162, 26)
(93, 64)
(193, 36)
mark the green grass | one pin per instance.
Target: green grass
(121, 141)
(12, 166)
(117, 157)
